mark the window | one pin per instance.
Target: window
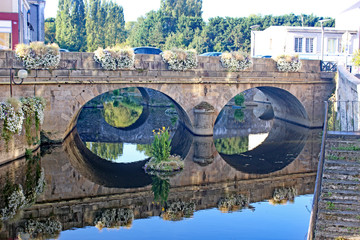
(298, 44)
(309, 45)
(331, 45)
(5, 34)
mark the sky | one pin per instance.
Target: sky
(232, 8)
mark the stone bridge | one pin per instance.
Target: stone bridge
(296, 97)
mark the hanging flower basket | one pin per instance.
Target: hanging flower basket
(37, 55)
(235, 61)
(115, 58)
(288, 63)
(179, 59)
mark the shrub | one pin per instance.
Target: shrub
(180, 60)
(37, 55)
(115, 58)
(288, 63)
(235, 61)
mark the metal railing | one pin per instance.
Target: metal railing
(328, 66)
(344, 116)
(317, 191)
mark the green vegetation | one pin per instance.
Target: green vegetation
(239, 99)
(50, 29)
(160, 187)
(162, 163)
(347, 148)
(178, 23)
(356, 58)
(231, 146)
(333, 157)
(122, 113)
(108, 151)
(146, 148)
(330, 206)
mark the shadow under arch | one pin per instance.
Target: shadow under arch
(286, 106)
(101, 171)
(282, 146)
(118, 175)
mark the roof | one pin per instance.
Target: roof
(309, 29)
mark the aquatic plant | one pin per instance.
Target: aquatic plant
(37, 55)
(235, 61)
(115, 58)
(179, 59)
(114, 218)
(288, 63)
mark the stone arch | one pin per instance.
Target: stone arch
(70, 106)
(285, 105)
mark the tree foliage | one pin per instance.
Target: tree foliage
(178, 23)
(50, 30)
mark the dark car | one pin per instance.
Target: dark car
(63, 50)
(147, 50)
(211, 54)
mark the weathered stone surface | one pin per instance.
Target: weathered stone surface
(296, 97)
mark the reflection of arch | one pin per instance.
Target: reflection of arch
(283, 144)
(119, 175)
(102, 172)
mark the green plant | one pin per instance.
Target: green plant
(330, 206)
(160, 147)
(356, 58)
(160, 187)
(239, 99)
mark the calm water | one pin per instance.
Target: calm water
(253, 179)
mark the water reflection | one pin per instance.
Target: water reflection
(91, 181)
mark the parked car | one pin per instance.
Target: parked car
(63, 50)
(147, 50)
(211, 54)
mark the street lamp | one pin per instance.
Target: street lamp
(253, 27)
(22, 74)
(322, 37)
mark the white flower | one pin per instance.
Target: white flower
(115, 58)
(16, 201)
(180, 60)
(288, 63)
(235, 61)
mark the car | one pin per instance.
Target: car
(63, 50)
(211, 54)
(147, 50)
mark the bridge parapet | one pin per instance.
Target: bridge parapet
(296, 96)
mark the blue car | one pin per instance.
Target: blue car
(147, 50)
(211, 54)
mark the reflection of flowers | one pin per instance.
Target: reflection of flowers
(42, 229)
(13, 203)
(178, 210)
(283, 194)
(114, 218)
(233, 203)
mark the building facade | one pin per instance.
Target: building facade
(21, 21)
(329, 44)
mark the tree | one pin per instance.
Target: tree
(93, 25)
(114, 27)
(50, 30)
(70, 25)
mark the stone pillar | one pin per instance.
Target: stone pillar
(204, 118)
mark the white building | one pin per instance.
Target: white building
(338, 43)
